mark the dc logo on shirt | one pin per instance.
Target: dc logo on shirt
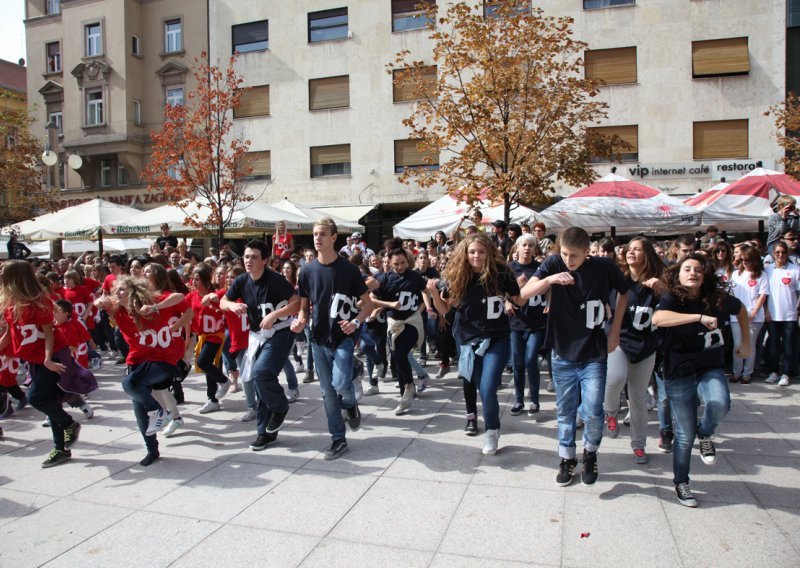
(30, 334)
(211, 324)
(643, 318)
(10, 364)
(494, 307)
(152, 339)
(595, 314)
(342, 307)
(713, 339)
(268, 308)
(536, 301)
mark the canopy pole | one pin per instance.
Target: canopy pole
(100, 243)
(613, 232)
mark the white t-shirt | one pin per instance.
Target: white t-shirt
(784, 284)
(747, 290)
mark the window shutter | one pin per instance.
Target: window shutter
(720, 57)
(338, 154)
(330, 92)
(260, 162)
(613, 66)
(721, 139)
(404, 91)
(406, 154)
(253, 102)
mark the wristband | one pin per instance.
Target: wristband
(356, 322)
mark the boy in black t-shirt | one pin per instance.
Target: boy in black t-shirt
(579, 287)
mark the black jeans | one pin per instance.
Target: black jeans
(214, 376)
(122, 345)
(44, 395)
(403, 344)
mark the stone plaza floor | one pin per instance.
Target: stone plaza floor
(411, 491)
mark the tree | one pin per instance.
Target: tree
(787, 121)
(195, 160)
(21, 181)
(510, 107)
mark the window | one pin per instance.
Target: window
(629, 134)
(173, 36)
(259, 164)
(253, 102)
(174, 170)
(122, 175)
(407, 155)
(592, 4)
(327, 25)
(105, 172)
(721, 139)
(136, 48)
(94, 107)
(56, 119)
(253, 36)
(137, 112)
(330, 160)
(612, 66)
(11, 141)
(53, 7)
(330, 92)
(720, 57)
(94, 40)
(491, 7)
(405, 91)
(410, 14)
(174, 96)
(53, 51)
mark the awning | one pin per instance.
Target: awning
(350, 212)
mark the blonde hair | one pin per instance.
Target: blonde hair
(19, 288)
(783, 201)
(140, 294)
(327, 223)
(459, 272)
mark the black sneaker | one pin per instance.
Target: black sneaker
(685, 495)
(275, 422)
(566, 471)
(56, 457)
(708, 453)
(120, 361)
(472, 427)
(354, 418)
(338, 447)
(533, 409)
(71, 434)
(665, 441)
(589, 473)
(150, 458)
(517, 409)
(262, 441)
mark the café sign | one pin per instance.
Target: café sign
(713, 169)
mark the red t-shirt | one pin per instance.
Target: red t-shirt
(74, 334)
(27, 337)
(282, 246)
(238, 327)
(153, 343)
(173, 314)
(91, 284)
(81, 299)
(108, 282)
(207, 320)
(9, 367)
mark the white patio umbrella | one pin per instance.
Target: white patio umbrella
(310, 216)
(150, 221)
(77, 222)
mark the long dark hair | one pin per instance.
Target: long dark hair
(713, 291)
(653, 266)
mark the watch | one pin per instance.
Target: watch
(356, 322)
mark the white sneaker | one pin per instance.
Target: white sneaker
(292, 394)
(223, 389)
(173, 426)
(158, 420)
(784, 382)
(651, 401)
(87, 410)
(772, 379)
(248, 416)
(358, 388)
(299, 367)
(209, 407)
(371, 390)
(490, 445)
(627, 419)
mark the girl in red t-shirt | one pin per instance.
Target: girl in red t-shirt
(28, 311)
(9, 369)
(237, 336)
(282, 242)
(69, 330)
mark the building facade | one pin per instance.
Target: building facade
(13, 99)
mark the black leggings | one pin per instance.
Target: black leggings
(14, 391)
(403, 344)
(45, 396)
(214, 376)
(471, 396)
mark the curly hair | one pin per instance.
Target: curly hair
(140, 294)
(20, 289)
(713, 290)
(459, 273)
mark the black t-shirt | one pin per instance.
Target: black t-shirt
(405, 288)
(480, 315)
(637, 338)
(269, 293)
(692, 347)
(334, 291)
(430, 273)
(577, 312)
(170, 240)
(531, 316)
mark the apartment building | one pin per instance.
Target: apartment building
(13, 98)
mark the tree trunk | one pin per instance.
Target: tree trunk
(506, 208)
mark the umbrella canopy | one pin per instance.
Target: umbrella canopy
(293, 210)
(445, 213)
(745, 202)
(615, 201)
(77, 222)
(700, 198)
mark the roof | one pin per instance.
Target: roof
(13, 76)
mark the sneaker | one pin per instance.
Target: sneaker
(209, 406)
(423, 361)
(533, 409)
(292, 395)
(262, 441)
(423, 384)
(248, 416)
(309, 378)
(746, 379)
(380, 368)
(354, 418)
(46, 422)
(550, 387)
(517, 409)
(276, 422)
(589, 473)
(627, 419)
(338, 447)
(236, 387)
(173, 426)
(222, 390)
(71, 434)
(651, 399)
(405, 400)
(639, 456)
(95, 363)
(23, 402)
(491, 439)
(443, 369)
(508, 370)
(158, 421)
(665, 441)
(784, 382)
(566, 471)
(612, 428)
(359, 389)
(772, 379)
(87, 410)
(371, 390)
(150, 458)
(56, 457)
(685, 495)
(735, 379)
(299, 367)
(6, 408)
(471, 429)
(708, 453)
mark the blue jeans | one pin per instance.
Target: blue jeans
(525, 346)
(685, 393)
(291, 376)
(782, 334)
(486, 374)
(579, 384)
(369, 347)
(335, 372)
(664, 411)
(231, 359)
(267, 364)
(139, 382)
